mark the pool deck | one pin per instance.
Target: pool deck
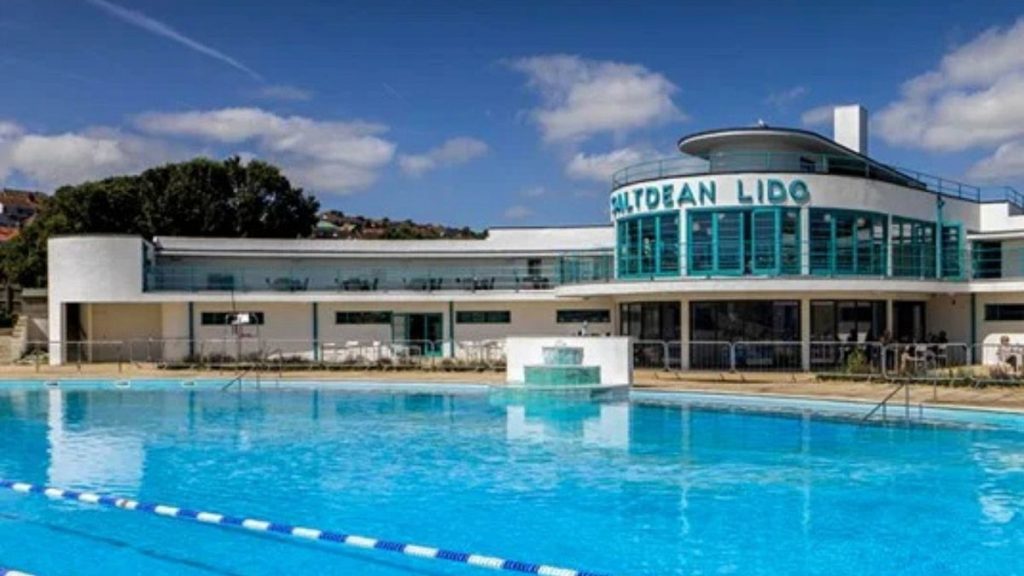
(802, 386)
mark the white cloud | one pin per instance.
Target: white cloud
(518, 212)
(283, 92)
(535, 192)
(581, 98)
(453, 151)
(974, 98)
(153, 26)
(1005, 163)
(818, 116)
(600, 167)
(784, 98)
(328, 156)
(52, 160)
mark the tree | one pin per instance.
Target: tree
(201, 197)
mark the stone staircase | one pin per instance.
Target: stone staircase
(13, 344)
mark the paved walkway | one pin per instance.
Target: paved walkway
(794, 385)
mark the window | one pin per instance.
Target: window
(913, 248)
(483, 317)
(1004, 312)
(225, 318)
(951, 262)
(648, 245)
(534, 267)
(580, 316)
(745, 321)
(847, 242)
(847, 320)
(988, 259)
(744, 241)
(362, 317)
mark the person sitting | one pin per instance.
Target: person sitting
(1008, 355)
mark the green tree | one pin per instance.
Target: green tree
(201, 197)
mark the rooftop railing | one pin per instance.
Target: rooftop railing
(764, 161)
(173, 277)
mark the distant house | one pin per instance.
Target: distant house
(17, 208)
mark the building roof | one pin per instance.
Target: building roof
(745, 144)
(21, 198)
(7, 233)
(499, 242)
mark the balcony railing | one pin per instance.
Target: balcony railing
(172, 277)
(755, 161)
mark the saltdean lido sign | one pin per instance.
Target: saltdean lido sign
(763, 191)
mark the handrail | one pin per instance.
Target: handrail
(905, 386)
(237, 379)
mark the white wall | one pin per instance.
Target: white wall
(90, 269)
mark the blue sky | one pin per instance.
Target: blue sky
(492, 113)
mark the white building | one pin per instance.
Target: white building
(756, 235)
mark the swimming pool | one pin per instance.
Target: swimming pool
(661, 484)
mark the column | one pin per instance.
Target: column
(805, 241)
(316, 332)
(805, 334)
(684, 335)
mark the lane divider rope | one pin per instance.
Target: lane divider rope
(10, 572)
(427, 552)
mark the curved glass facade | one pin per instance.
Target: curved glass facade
(769, 241)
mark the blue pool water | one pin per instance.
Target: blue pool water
(646, 488)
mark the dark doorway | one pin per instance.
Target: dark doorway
(652, 323)
(909, 321)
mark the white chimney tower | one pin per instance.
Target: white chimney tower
(850, 127)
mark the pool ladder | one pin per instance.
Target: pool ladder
(263, 364)
(883, 405)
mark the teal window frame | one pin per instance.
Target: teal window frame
(663, 259)
(725, 249)
(859, 256)
(951, 261)
(913, 255)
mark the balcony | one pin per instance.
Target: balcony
(379, 277)
(810, 163)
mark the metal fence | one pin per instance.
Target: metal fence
(1000, 363)
(270, 354)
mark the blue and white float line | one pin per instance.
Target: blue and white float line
(10, 572)
(427, 552)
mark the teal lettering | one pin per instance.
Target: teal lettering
(708, 193)
(799, 192)
(741, 197)
(638, 195)
(667, 196)
(653, 198)
(686, 196)
(776, 191)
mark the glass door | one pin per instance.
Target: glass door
(423, 334)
